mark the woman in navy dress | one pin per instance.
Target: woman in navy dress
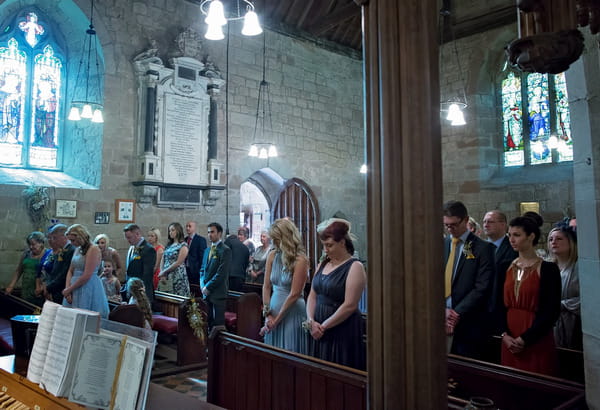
(334, 321)
(84, 288)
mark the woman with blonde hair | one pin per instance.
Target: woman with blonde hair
(285, 275)
(137, 296)
(109, 253)
(562, 247)
(84, 288)
(153, 237)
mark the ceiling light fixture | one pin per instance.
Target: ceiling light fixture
(217, 17)
(90, 108)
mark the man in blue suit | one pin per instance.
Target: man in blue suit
(214, 275)
(469, 275)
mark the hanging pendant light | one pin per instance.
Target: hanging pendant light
(84, 105)
(263, 150)
(217, 17)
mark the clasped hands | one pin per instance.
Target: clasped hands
(270, 324)
(452, 319)
(68, 295)
(514, 345)
(316, 330)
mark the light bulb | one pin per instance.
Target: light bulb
(214, 32)
(86, 112)
(263, 153)
(272, 151)
(253, 151)
(458, 119)
(251, 24)
(363, 169)
(74, 114)
(452, 110)
(216, 14)
(97, 117)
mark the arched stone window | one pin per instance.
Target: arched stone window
(536, 121)
(37, 142)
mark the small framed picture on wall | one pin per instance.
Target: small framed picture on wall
(125, 210)
(102, 217)
(66, 208)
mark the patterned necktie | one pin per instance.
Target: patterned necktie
(213, 251)
(450, 266)
(189, 240)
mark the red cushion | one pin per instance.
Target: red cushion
(230, 320)
(164, 324)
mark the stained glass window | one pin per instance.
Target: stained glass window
(543, 134)
(31, 84)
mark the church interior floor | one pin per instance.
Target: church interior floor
(190, 380)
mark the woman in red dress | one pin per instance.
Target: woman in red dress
(532, 299)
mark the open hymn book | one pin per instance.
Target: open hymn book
(73, 357)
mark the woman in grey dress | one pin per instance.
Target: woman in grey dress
(562, 246)
(285, 276)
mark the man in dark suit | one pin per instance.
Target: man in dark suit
(196, 247)
(240, 258)
(141, 258)
(62, 253)
(214, 275)
(469, 277)
(495, 228)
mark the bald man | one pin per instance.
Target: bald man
(196, 245)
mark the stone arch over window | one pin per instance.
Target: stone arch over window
(291, 198)
(53, 151)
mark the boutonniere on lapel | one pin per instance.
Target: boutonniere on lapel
(137, 252)
(468, 250)
(213, 253)
(58, 256)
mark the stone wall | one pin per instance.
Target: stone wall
(316, 113)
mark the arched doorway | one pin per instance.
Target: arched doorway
(291, 198)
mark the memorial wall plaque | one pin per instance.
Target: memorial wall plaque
(185, 139)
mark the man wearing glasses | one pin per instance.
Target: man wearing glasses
(469, 275)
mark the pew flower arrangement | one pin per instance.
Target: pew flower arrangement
(196, 319)
(36, 203)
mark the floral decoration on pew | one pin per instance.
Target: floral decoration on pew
(196, 320)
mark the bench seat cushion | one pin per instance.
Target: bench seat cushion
(231, 321)
(164, 324)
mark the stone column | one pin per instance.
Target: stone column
(406, 343)
(584, 101)
(151, 80)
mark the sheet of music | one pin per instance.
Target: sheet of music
(42, 340)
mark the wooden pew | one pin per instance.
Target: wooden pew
(245, 374)
(190, 349)
(247, 308)
(12, 334)
(510, 388)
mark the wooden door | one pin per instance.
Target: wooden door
(297, 202)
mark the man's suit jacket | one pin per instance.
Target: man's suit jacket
(193, 261)
(214, 274)
(58, 277)
(505, 254)
(140, 264)
(240, 257)
(471, 290)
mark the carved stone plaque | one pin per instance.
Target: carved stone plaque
(185, 139)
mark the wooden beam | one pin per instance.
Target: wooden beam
(334, 18)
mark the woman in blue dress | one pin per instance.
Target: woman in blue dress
(285, 275)
(84, 288)
(173, 276)
(334, 320)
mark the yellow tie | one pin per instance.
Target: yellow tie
(213, 251)
(450, 266)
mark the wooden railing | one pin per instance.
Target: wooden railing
(245, 374)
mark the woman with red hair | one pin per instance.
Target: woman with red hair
(334, 320)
